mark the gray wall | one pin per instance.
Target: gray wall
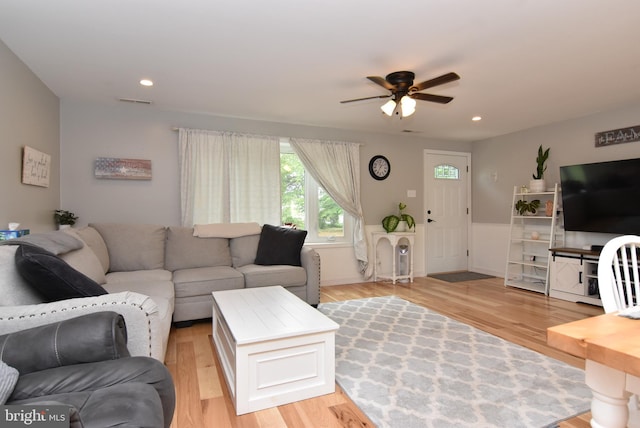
(29, 116)
(145, 132)
(512, 157)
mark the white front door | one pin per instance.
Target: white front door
(447, 210)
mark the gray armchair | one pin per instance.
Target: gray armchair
(84, 363)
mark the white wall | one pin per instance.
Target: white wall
(488, 248)
(29, 116)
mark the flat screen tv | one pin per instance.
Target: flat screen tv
(602, 197)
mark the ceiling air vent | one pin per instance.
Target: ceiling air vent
(134, 101)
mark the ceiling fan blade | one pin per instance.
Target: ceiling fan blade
(430, 97)
(366, 98)
(445, 78)
(382, 82)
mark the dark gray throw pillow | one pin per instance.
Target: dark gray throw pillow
(280, 246)
(52, 277)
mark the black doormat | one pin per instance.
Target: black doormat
(460, 276)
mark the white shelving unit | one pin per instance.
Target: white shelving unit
(530, 239)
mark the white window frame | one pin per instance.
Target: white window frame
(311, 209)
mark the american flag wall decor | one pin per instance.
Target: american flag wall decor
(123, 169)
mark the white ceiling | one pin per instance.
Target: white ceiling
(522, 63)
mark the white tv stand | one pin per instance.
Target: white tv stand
(574, 275)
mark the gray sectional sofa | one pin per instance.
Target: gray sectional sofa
(153, 275)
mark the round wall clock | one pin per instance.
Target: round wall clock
(379, 167)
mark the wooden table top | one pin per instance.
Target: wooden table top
(608, 339)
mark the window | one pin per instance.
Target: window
(446, 172)
(307, 205)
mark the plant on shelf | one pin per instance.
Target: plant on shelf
(538, 183)
(390, 223)
(65, 218)
(523, 207)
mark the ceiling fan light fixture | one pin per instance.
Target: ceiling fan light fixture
(408, 106)
(388, 107)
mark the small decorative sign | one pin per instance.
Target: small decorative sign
(36, 167)
(123, 169)
(618, 136)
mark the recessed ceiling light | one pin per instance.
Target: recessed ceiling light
(476, 118)
(146, 82)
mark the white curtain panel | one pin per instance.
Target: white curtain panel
(336, 167)
(227, 177)
(203, 177)
(254, 179)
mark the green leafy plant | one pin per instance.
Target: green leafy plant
(543, 155)
(65, 217)
(524, 207)
(390, 222)
(406, 217)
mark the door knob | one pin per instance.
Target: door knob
(430, 221)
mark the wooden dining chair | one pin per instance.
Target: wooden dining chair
(618, 274)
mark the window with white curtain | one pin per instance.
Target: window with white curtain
(227, 177)
(307, 205)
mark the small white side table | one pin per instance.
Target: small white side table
(394, 238)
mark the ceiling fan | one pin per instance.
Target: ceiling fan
(404, 92)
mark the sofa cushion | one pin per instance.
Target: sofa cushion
(202, 281)
(156, 289)
(133, 246)
(94, 240)
(244, 249)
(52, 277)
(14, 289)
(262, 276)
(139, 275)
(280, 246)
(84, 260)
(185, 251)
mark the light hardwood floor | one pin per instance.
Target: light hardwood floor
(518, 316)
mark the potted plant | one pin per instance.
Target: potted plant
(525, 208)
(538, 183)
(399, 223)
(64, 218)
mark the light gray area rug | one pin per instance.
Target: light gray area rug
(406, 366)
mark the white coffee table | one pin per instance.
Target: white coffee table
(274, 348)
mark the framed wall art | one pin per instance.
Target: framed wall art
(123, 169)
(618, 136)
(36, 167)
